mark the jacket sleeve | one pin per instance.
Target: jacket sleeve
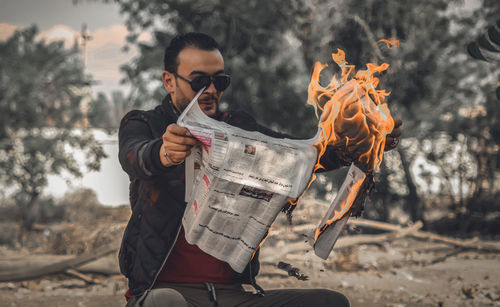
(138, 148)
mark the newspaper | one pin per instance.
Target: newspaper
(339, 212)
(237, 183)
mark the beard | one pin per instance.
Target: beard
(181, 101)
(208, 103)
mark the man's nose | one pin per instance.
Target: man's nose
(211, 89)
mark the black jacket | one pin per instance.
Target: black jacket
(157, 193)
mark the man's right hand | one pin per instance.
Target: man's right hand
(177, 144)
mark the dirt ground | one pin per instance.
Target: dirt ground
(381, 277)
(399, 272)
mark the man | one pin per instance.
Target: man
(162, 268)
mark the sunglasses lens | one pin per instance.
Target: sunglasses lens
(222, 82)
(200, 82)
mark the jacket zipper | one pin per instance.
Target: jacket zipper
(166, 256)
(165, 259)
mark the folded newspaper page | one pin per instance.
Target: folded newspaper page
(339, 212)
(237, 183)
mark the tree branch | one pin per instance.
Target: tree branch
(369, 35)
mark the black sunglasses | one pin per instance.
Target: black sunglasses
(221, 82)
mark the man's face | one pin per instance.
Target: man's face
(195, 62)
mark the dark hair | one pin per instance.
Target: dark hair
(178, 43)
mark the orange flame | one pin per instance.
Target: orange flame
(354, 116)
(389, 42)
(354, 120)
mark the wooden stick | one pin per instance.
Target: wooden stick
(346, 241)
(30, 273)
(88, 280)
(295, 228)
(413, 231)
(106, 265)
(489, 246)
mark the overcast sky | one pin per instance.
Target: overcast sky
(48, 13)
(61, 20)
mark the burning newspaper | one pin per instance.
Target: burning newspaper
(356, 120)
(349, 196)
(238, 182)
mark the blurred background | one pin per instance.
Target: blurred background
(71, 70)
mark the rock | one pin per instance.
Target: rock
(7, 285)
(46, 285)
(470, 291)
(22, 292)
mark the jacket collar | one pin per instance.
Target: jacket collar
(169, 107)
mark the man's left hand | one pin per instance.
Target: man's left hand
(392, 140)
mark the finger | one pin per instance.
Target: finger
(177, 156)
(397, 123)
(178, 130)
(389, 140)
(390, 143)
(395, 133)
(174, 156)
(178, 147)
(177, 139)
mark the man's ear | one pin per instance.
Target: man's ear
(168, 79)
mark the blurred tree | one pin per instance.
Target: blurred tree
(41, 90)
(270, 47)
(99, 112)
(355, 27)
(470, 115)
(258, 55)
(106, 113)
(432, 82)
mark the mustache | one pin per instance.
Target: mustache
(208, 97)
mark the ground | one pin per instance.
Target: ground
(468, 279)
(396, 272)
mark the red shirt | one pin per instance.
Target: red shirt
(188, 263)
